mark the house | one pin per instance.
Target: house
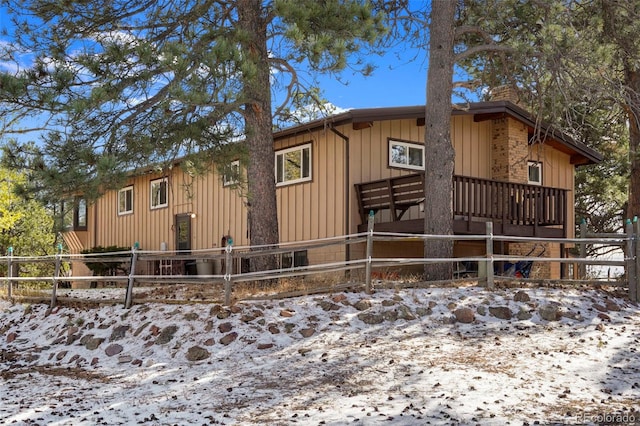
(330, 173)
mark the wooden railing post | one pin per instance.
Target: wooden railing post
(582, 267)
(369, 253)
(228, 268)
(489, 261)
(128, 300)
(630, 262)
(56, 276)
(10, 272)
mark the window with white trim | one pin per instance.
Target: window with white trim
(534, 173)
(293, 165)
(406, 155)
(232, 174)
(159, 192)
(125, 200)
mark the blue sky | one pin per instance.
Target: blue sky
(394, 83)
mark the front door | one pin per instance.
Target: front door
(183, 232)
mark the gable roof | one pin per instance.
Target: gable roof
(481, 111)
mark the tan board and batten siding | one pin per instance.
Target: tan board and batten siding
(217, 210)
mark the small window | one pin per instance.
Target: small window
(67, 210)
(80, 214)
(406, 155)
(535, 173)
(293, 165)
(232, 174)
(159, 193)
(125, 200)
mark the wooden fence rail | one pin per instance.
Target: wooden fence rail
(629, 243)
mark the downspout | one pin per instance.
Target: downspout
(347, 189)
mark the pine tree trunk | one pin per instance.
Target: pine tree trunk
(633, 110)
(263, 226)
(439, 153)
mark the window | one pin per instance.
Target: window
(66, 213)
(535, 173)
(232, 174)
(125, 200)
(293, 165)
(406, 155)
(159, 193)
(80, 214)
(74, 214)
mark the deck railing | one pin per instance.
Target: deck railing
(474, 199)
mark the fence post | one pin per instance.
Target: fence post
(489, 249)
(228, 267)
(128, 300)
(9, 272)
(369, 253)
(56, 275)
(582, 267)
(630, 263)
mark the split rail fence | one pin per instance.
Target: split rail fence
(231, 259)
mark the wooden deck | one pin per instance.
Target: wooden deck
(515, 209)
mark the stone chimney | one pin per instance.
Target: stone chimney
(506, 92)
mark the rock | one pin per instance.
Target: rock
(286, 313)
(452, 306)
(197, 353)
(386, 303)
(524, 314)
(362, 305)
(118, 332)
(11, 337)
(404, 312)
(235, 309)
(339, 298)
(208, 326)
(371, 318)
(113, 349)
(307, 332)
(521, 296)
(229, 338)
(94, 361)
(328, 306)
(225, 327)
(273, 329)
(390, 315)
(612, 306)
(246, 318)
(263, 346)
(464, 315)
(289, 327)
(223, 314)
(140, 329)
(549, 312)
(191, 316)
(166, 334)
(604, 316)
(210, 342)
(91, 343)
(154, 330)
(500, 312)
(136, 362)
(481, 310)
(599, 307)
(60, 355)
(124, 359)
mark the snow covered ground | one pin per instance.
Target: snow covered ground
(397, 357)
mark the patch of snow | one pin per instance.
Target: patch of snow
(393, 357)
